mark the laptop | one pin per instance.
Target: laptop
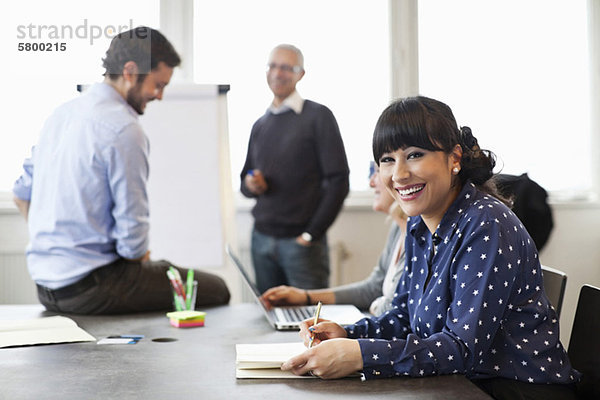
(289, 318)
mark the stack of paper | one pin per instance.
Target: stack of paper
(41, 331)
(186, 319)
(264, 360)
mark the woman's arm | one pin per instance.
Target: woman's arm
(479, 291)
(361, 293)
(364, 292)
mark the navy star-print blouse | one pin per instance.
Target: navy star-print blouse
(470, 301)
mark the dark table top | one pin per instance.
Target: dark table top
(199, 363)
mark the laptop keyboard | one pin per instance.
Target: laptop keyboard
(297, 314)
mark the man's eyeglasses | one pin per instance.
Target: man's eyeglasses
(285, 68)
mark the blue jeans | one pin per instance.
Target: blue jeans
(282, 261)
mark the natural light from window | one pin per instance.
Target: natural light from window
(516, 72)
(346, 55)
(36, 82)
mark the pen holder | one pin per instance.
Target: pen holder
(184, 297)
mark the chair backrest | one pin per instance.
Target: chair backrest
(584, 346)
(555, 282)
(530, 203)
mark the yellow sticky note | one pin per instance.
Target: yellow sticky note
(186, 315)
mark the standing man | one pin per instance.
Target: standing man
(84, 195)
(297, 170)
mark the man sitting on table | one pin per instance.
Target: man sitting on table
(83, 192)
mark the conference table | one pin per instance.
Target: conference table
(183, 363)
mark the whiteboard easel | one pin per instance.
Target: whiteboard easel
(190, 183)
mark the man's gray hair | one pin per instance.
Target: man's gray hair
(293, 48)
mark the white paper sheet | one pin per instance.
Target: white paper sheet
(264, 360)
(55, 329)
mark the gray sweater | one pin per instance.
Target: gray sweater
(363, 293)
(303, 160)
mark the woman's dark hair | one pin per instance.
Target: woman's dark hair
(429, 124)
(143, 45)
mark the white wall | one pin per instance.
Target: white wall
(15, 284)
(574, 247)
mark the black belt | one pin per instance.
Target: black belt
(71, 290)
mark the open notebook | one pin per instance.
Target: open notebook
(289, 318)
(264, 360)
(47, 330)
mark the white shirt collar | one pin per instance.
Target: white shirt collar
(293, 102)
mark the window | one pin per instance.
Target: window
(516, 72)
(346, 55)
(37, 81)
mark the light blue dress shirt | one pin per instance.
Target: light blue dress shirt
(86, 183)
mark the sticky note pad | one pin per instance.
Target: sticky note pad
(185, 324)
(186, 319)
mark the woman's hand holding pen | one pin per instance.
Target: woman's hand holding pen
(255, 182)
(331, 354)
(331, 359)
(323, 330)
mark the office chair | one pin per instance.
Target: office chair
(584, 346)
(530, 203)
(555, 282)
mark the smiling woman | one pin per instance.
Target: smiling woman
(470, 299)
(420, 180)
(422, 153)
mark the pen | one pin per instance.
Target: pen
(177, 294)
(194, 294)
(177, 276)
(189, 287)
(317, 312)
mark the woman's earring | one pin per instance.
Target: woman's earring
(456, 170)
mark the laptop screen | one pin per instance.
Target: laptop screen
(243, 271)
(344, 314)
